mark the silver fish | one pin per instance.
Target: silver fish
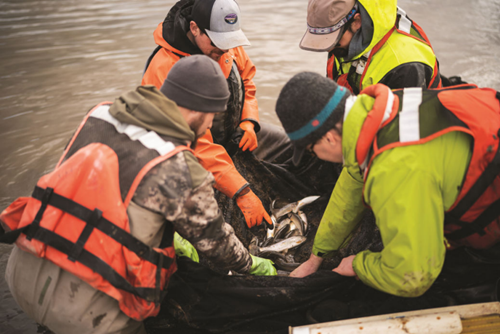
(292, 207)
(284, 244)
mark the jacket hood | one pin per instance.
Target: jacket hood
(148, 108)
(171, 33)
(378, 17)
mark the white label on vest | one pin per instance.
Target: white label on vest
(149, 139)
(409, 116)
(404, 24)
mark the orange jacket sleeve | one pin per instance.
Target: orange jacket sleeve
(216, 160)
(247, 71)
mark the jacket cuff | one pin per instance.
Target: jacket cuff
(257, 127)
(231, 182)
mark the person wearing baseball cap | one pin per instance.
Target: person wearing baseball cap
(370, 42)
(416, 157)
(213, 28)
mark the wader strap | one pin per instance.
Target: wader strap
(484, 181)
(150, 58)
(478, 225)
(44, 198)
(158, 278)
(121, 236)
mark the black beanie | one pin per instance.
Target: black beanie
(197, 83)
(308, 106)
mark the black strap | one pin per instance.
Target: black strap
(150, 58)
(11, 236)
(97, 265)
(478, 225)
(84, 236)
(113, 231)
(484, 181)
(44, 198)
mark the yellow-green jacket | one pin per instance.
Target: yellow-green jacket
(398, 55)
(409, 189)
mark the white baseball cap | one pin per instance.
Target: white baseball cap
(221, 21)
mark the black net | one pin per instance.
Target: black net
(202, 299)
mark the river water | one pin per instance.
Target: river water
(59, 58)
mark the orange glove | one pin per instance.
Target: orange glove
(253, 209)
(249, 139)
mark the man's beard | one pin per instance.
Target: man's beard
(195, 127)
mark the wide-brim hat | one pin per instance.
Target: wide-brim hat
(325, 23)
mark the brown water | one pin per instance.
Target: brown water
(59, 58)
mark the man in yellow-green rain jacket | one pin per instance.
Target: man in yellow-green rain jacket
(416, 157)
(370, 42)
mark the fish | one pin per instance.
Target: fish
(292, 207)
(282, 227)
(297, 222)
(284, 245)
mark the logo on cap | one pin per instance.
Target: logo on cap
(231, 18)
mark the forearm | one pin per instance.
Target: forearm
(343, 213)
(215, 159)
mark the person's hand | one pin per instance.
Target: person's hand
(249, 139)
(308, 267)
(253, 209)
(262, 267)
(345, 268)
(184, 248)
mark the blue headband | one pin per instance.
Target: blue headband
(319, 119)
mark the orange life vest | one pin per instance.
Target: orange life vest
(412, 116)
(77, 214)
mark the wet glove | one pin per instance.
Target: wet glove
(262, 267)
(252, 208)
(184, 248)
(249, 139)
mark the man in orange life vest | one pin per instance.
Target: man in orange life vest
(370, 42)
(212, 27)
(94, 244)
(420, 159)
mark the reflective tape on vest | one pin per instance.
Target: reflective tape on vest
(409, 115)
(404, 24)
(149, 139)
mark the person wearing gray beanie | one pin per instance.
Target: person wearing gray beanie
(207, 91)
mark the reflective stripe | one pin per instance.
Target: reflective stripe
(404, 24)
(319, 119)
(350, 101)
(389, 106)
(409, 115)
(149, 139)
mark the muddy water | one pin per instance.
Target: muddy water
(58, 59)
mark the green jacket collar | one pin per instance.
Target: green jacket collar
(148, 108)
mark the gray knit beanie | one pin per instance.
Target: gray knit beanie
(308, 106)
(197, 83)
